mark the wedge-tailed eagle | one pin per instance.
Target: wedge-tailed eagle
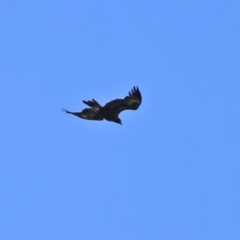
(110, 110)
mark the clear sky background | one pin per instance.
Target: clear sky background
(171, 171)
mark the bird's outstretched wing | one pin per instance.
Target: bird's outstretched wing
(130, 102)
(87, 113)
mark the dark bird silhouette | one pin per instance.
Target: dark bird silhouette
(110, 110)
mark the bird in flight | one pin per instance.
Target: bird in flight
(110, 110)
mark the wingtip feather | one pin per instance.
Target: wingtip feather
(65, 110)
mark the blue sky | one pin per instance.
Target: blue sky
(171, 171)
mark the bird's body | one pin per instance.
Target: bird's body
(110, 110)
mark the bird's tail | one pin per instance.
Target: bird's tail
(93, 104)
